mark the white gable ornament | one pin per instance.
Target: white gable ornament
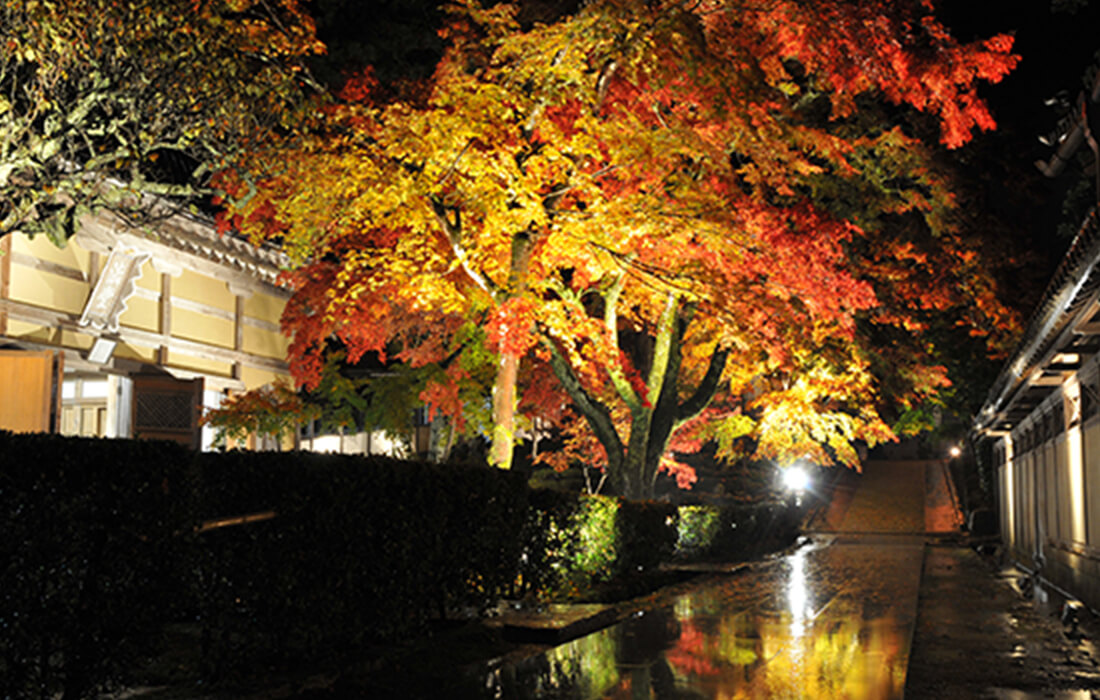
(114, 287)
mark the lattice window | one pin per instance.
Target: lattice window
(163, 411)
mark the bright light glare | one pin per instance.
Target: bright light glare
(955, 451)
(796, 479)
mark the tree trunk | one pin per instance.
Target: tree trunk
(632, 468)
(504, 412)
(504, 384)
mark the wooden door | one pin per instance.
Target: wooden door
(30, 382)
(166, 408)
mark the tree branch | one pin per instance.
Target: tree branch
(597, 415)
(615, 371)
(453, 231)
(706, 389)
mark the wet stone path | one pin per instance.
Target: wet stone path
(832, 620)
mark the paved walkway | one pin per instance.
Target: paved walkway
(976, 635)
(892, 497)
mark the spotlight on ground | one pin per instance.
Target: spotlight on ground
(796, 479)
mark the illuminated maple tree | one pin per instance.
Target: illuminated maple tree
(105, 101)
(275, 411)
(680, 213)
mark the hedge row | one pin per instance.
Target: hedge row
(87, 529)
(103, 547)
(362, 551)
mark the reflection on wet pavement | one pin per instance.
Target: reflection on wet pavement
(829, 621)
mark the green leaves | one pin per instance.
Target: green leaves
(99, 91)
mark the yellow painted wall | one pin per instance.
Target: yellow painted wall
(72, 255)
(47, 290)
(202, 328)
(267, 343)
(29, 331)
(72, 339)
(264, 307)
(150, 278)
(141, 313)
(178, 359)
(205, 290)
(254, 378)
(136, 352)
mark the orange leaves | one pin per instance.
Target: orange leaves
(642, 186)
(444, 397)
(510, 330)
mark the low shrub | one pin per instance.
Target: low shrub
(575, 542)
(734, 532)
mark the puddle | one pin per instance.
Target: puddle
(822, 623)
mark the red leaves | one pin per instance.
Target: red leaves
(562, 182)
(360, 87)
(854, 48)
(444, 397)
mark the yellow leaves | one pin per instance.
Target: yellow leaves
(819, 415)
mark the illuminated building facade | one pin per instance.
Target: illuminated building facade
(1043, 412)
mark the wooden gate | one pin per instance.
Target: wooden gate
(30, 386)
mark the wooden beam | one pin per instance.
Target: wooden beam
(93, 268)
(165, 325)
(147, 339)
(5, 279)
(29, 261)
(238, 332)
(216, 523)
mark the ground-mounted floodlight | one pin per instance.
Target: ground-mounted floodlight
(796, 479)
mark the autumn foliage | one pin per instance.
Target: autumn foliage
(105, 103)
(650, 224)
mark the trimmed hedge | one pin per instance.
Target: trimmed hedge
(735, 532)
(89, 558)
(100, 552)
(363, 551)
(102, 549)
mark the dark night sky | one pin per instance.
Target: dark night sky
(1055, 47)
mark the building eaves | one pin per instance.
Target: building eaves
(1065, 309)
